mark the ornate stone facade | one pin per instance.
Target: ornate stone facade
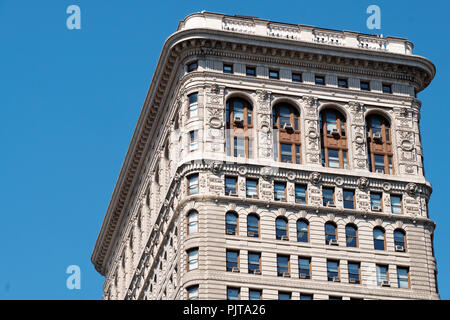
(142, 246)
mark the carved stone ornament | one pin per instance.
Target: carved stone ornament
(216, 167)
(215, 88)
(315, 177)
(339, 181)
(291, 175)
(387, 186)
(411, 189)
(263, 95)
(363, 183)
(242, 170)
(266, 172)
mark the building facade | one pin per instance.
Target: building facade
(274, 161)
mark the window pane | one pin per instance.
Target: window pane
(302, 231)
(333, 158)
(403, 278)
(396, 204)
(255, 294)
(251, 187)
(230, 185)
(239, 147)
(193, 185)
(300, 193)
(231, 223)
(279, 189)
(253, 226)
(286, 152)
(349, 199)
(232, 294)
(281, 228)
(351, 236)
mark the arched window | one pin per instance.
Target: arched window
(379, 239)
(351, 235)
(192, 220)
(281, 229)
(379, 144)
(333, 139)
(231, 223)
(330, 233)
(239, 116)
(400, 240)
(253, 225)
(286, 120)
(302, 230)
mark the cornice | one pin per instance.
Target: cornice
(160, 91)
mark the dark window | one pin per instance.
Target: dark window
(330, 232)
(281, 229)
(286, 119)
(251, 188)
(233, 293)
(251, 71)
(252, 226)
(254, 294)
(228, 68)
(232, 260)
(304, 267)
(302, 231)
(387, 88)
(349, 199)
(328, 196)
(342, 83)
(300, 193)
(332, 270)
(297, 77)
(403, 277)
(375, 202)
(354, 273)
(400, 239)
(334, 298)
(306, 296)
(192, 292)
(280, 191)
(379, 240)
(333, 139)
(239, 141)
(320, 80)
(382, 274)
(284, 296)
(274, 74)
(193, 184)
(396, 204)
(192, 220)
(282, 265)
(351, 236)
(231, 223)
(192, 66)
(230, 186)
(365, 86)
(254, 262)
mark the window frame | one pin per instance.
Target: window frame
(288, 267)
(306, 222)
(197, 260)
(227, 261)
(355, 237)
(375, 241)
(331, 142)
(407, 275)
(309, 275)
(189, 184)
(236, 230)
(358, 264)
(258, 225)
(330, 279)
(189, 222)
(252, 271)
(230, 65)
(249, 68)
(190, 64)
(285, 220)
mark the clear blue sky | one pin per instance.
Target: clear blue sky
(69, 102)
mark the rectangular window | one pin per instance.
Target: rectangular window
(396, 204)
(354, 273)
(284, 295)
(283, 269)
(403, 277)
(254, 262)
(342, 83)
(349, 199)
(297, 77)
(232, 260)
(274, 74)
(365, 85)
(304, 296)
(251, 188)
(250, 71)
(379, 163)
(286, 152)
(192, 185)
(328, 196)
(333, 158)
(300, 193)
(192, 293)
(387, 88)
(233, 293)
(280, 191)
(231, 186)
(391, 171)
(192, 222)
(320, 80)
(239, 147)
(193, 140)
(304, 268)
(192, 259)
(332, 270)
(227, 68)
(254, 294)
(192, 66)
(375, 201)
(334, 298)
(193, 105)
(382, 274)
(297, 154)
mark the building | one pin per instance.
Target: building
(274, 161)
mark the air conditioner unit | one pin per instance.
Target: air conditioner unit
(252, 196)
(231, 232)
(286, 275)
(288, 127)
(376, 208)
(303, 276)
(333, 242)
(336, 279)
(331, 204)
(335, 132)
(300, 201)
(284, 238)
(238, 121)
(257, 272)
(251, 234)
(377, 136)
(385, 283)
(379, 171)
(235, 269)
(352, 280)
(232, 193)
(399, 248)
